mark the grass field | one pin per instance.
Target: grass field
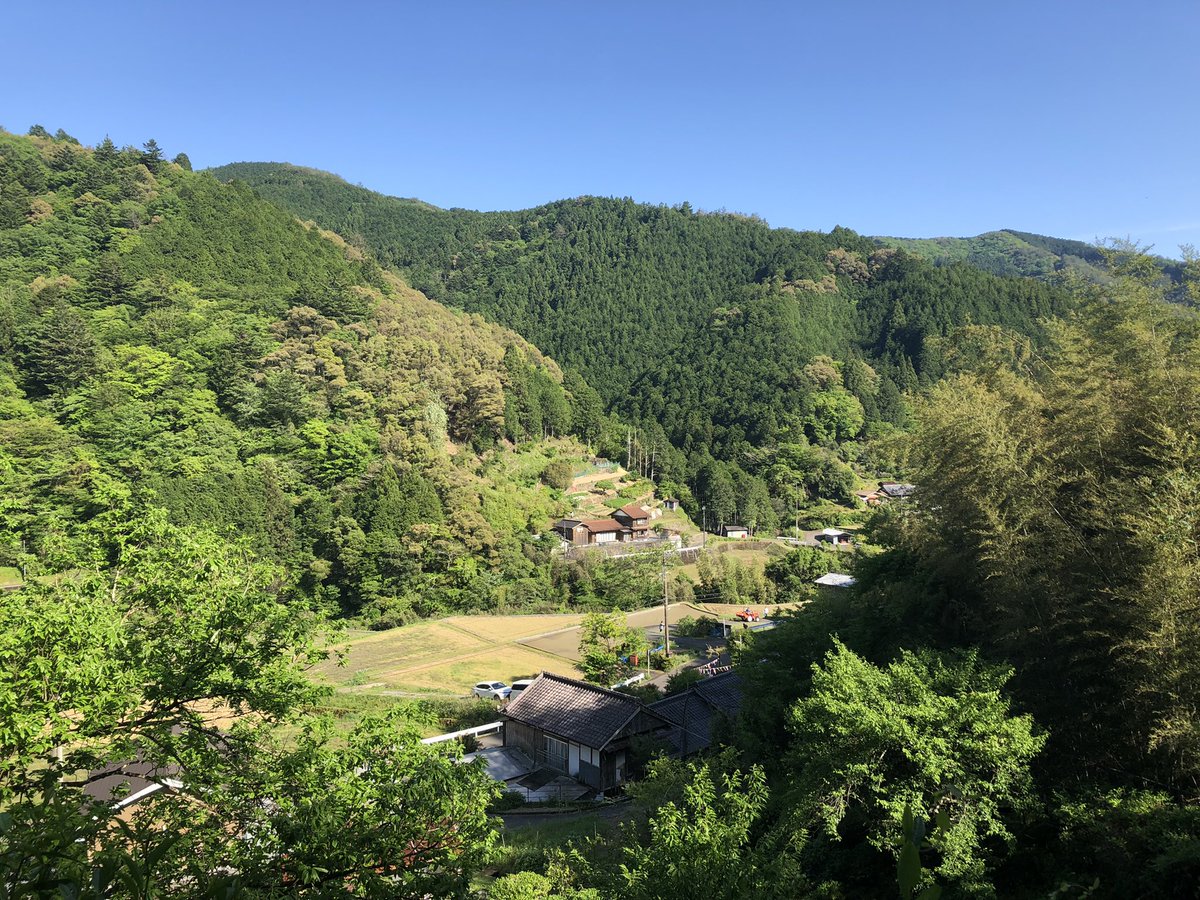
(445, 658)
(511, 628)
(10, 577)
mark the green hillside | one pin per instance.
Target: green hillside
(732, 345)
(1021, 253)
(168, 340)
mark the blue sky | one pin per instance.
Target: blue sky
(1076, 119)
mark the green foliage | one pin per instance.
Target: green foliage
(701, 328)
(558, 474)
(1057, 503)
(927, 735)
(605, 644)
(1129, 842)
(795, 573)
(704, 839)
(212, 356)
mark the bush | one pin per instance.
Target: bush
(690, 626)
(558, 475)
(520, 886)
(604, 485)
(507, 800)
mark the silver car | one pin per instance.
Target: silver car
(492, 690)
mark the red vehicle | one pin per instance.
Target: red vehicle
(746, 615)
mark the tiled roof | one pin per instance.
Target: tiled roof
(574, 710)
(722, 691)
(602, 525)
(693, 711)
(634, 511)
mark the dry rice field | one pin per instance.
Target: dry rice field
(446, 657)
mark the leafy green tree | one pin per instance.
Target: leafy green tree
(794, 573)
(142, 660)
(558, 474)
(929, 732)
(703, 842)
(604, 642)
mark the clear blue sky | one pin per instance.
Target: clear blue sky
(1076, 119)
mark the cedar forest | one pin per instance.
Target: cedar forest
(242, 410)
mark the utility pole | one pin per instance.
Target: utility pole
(666, 610)
(703, 524)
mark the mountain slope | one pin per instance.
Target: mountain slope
(170, 340)
(719, 335)
(1008, 252)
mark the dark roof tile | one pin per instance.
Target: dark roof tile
(573, 710)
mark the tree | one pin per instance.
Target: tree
(61, 350)
(606, 643)
(558, 474)
(152, 155)
(794, 573)
(928, 731)
(143, 660)
(702, 843)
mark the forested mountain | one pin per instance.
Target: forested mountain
(218, 422)
(169, 340)
(746, 355)
(1008, 252)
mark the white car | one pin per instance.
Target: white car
(492, 690)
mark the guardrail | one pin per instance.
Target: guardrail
(489, 728)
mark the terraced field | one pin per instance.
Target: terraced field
(444, 658)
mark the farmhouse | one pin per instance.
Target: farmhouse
(636, 519)
(894, 490)
(580, 729)
(870, 498)
(592, 531)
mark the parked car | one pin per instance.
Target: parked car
(518, 686)
(492, 690)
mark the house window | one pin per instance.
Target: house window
(556, 752)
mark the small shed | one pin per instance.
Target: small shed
(735, 531)
(671, 504)
(833, 536)
(700, 708)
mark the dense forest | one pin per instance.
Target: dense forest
(219, 425)
(746, 356)
(170, 340)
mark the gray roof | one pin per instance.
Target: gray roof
(574, 710)
(693, 711)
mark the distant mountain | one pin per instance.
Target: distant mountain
(720, 336)
(1017, 253)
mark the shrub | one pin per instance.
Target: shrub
(558, 475)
